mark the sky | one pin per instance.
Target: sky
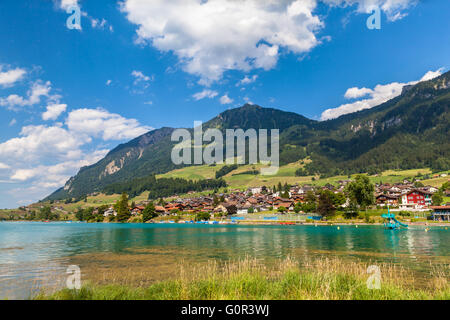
(69, 93)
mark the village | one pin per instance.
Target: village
(401, 197)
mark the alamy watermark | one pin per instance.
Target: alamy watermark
(374, 281)
(192, 151)
(74, 279)
(74, 21)
(374, 20)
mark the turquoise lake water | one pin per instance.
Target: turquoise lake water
(33, 254)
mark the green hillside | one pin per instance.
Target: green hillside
(407, 132)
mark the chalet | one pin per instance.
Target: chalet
(416, 199)
(220, 209)
(160, 210)
(110, 212)
(387, 200)
(441, 213)
(137, 210)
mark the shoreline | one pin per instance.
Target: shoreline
(251, 223)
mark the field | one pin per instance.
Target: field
(287, 174)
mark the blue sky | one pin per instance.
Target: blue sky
(67, 96)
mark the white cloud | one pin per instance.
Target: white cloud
(38, 89)
(39, 181)
(247, 80)
(432, 74)
(226, 100)
(37, 143)
(380, 94)
(212, 37)
(8, 78)
(355, 92)
(101, 123)
(394, 9)
(140, 76)
(12, 122)
(65, 4)
(4, 166)
(54, 111)
(97, 23)
(206, 93)
(108, 82)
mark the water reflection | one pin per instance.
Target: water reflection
(36, 251)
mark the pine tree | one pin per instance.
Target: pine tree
(121, 206)
(149, 212)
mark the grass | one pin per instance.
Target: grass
(248, 279)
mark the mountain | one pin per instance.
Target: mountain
(409, 131)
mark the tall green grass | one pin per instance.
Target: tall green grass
(330, 279)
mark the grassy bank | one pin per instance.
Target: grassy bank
(287, 279)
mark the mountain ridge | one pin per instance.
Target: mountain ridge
(371, 139)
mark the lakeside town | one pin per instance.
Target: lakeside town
(347, 200)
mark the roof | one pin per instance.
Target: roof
(440, 207)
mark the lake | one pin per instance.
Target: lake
(35, 255)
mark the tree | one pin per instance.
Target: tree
(45, 213)
(149, 212)
(361, 191)
(88, 214)
(285, 195)
(282, 209)
(79, 214)
(231, 209)
(202, 216)
(297, 207)
(121, 207)
(437, 198)
(326, 206)
(339, 199)
(215, 200)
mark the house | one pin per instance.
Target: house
(160, 210)
(441, 213)
(110, 212)
(415, 199)
(220, 209)
(386, 199)
(137, 210)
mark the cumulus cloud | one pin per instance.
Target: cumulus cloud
(38, 90)
(378, 95)
(211, 37)
(54, 111)
(8, 78)
(53, 176)
(40, 142)
(247, 80)
(39, 181)
(206, 93)
(65, 4)
(225, 99)
(140, 76)
(101, 123)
